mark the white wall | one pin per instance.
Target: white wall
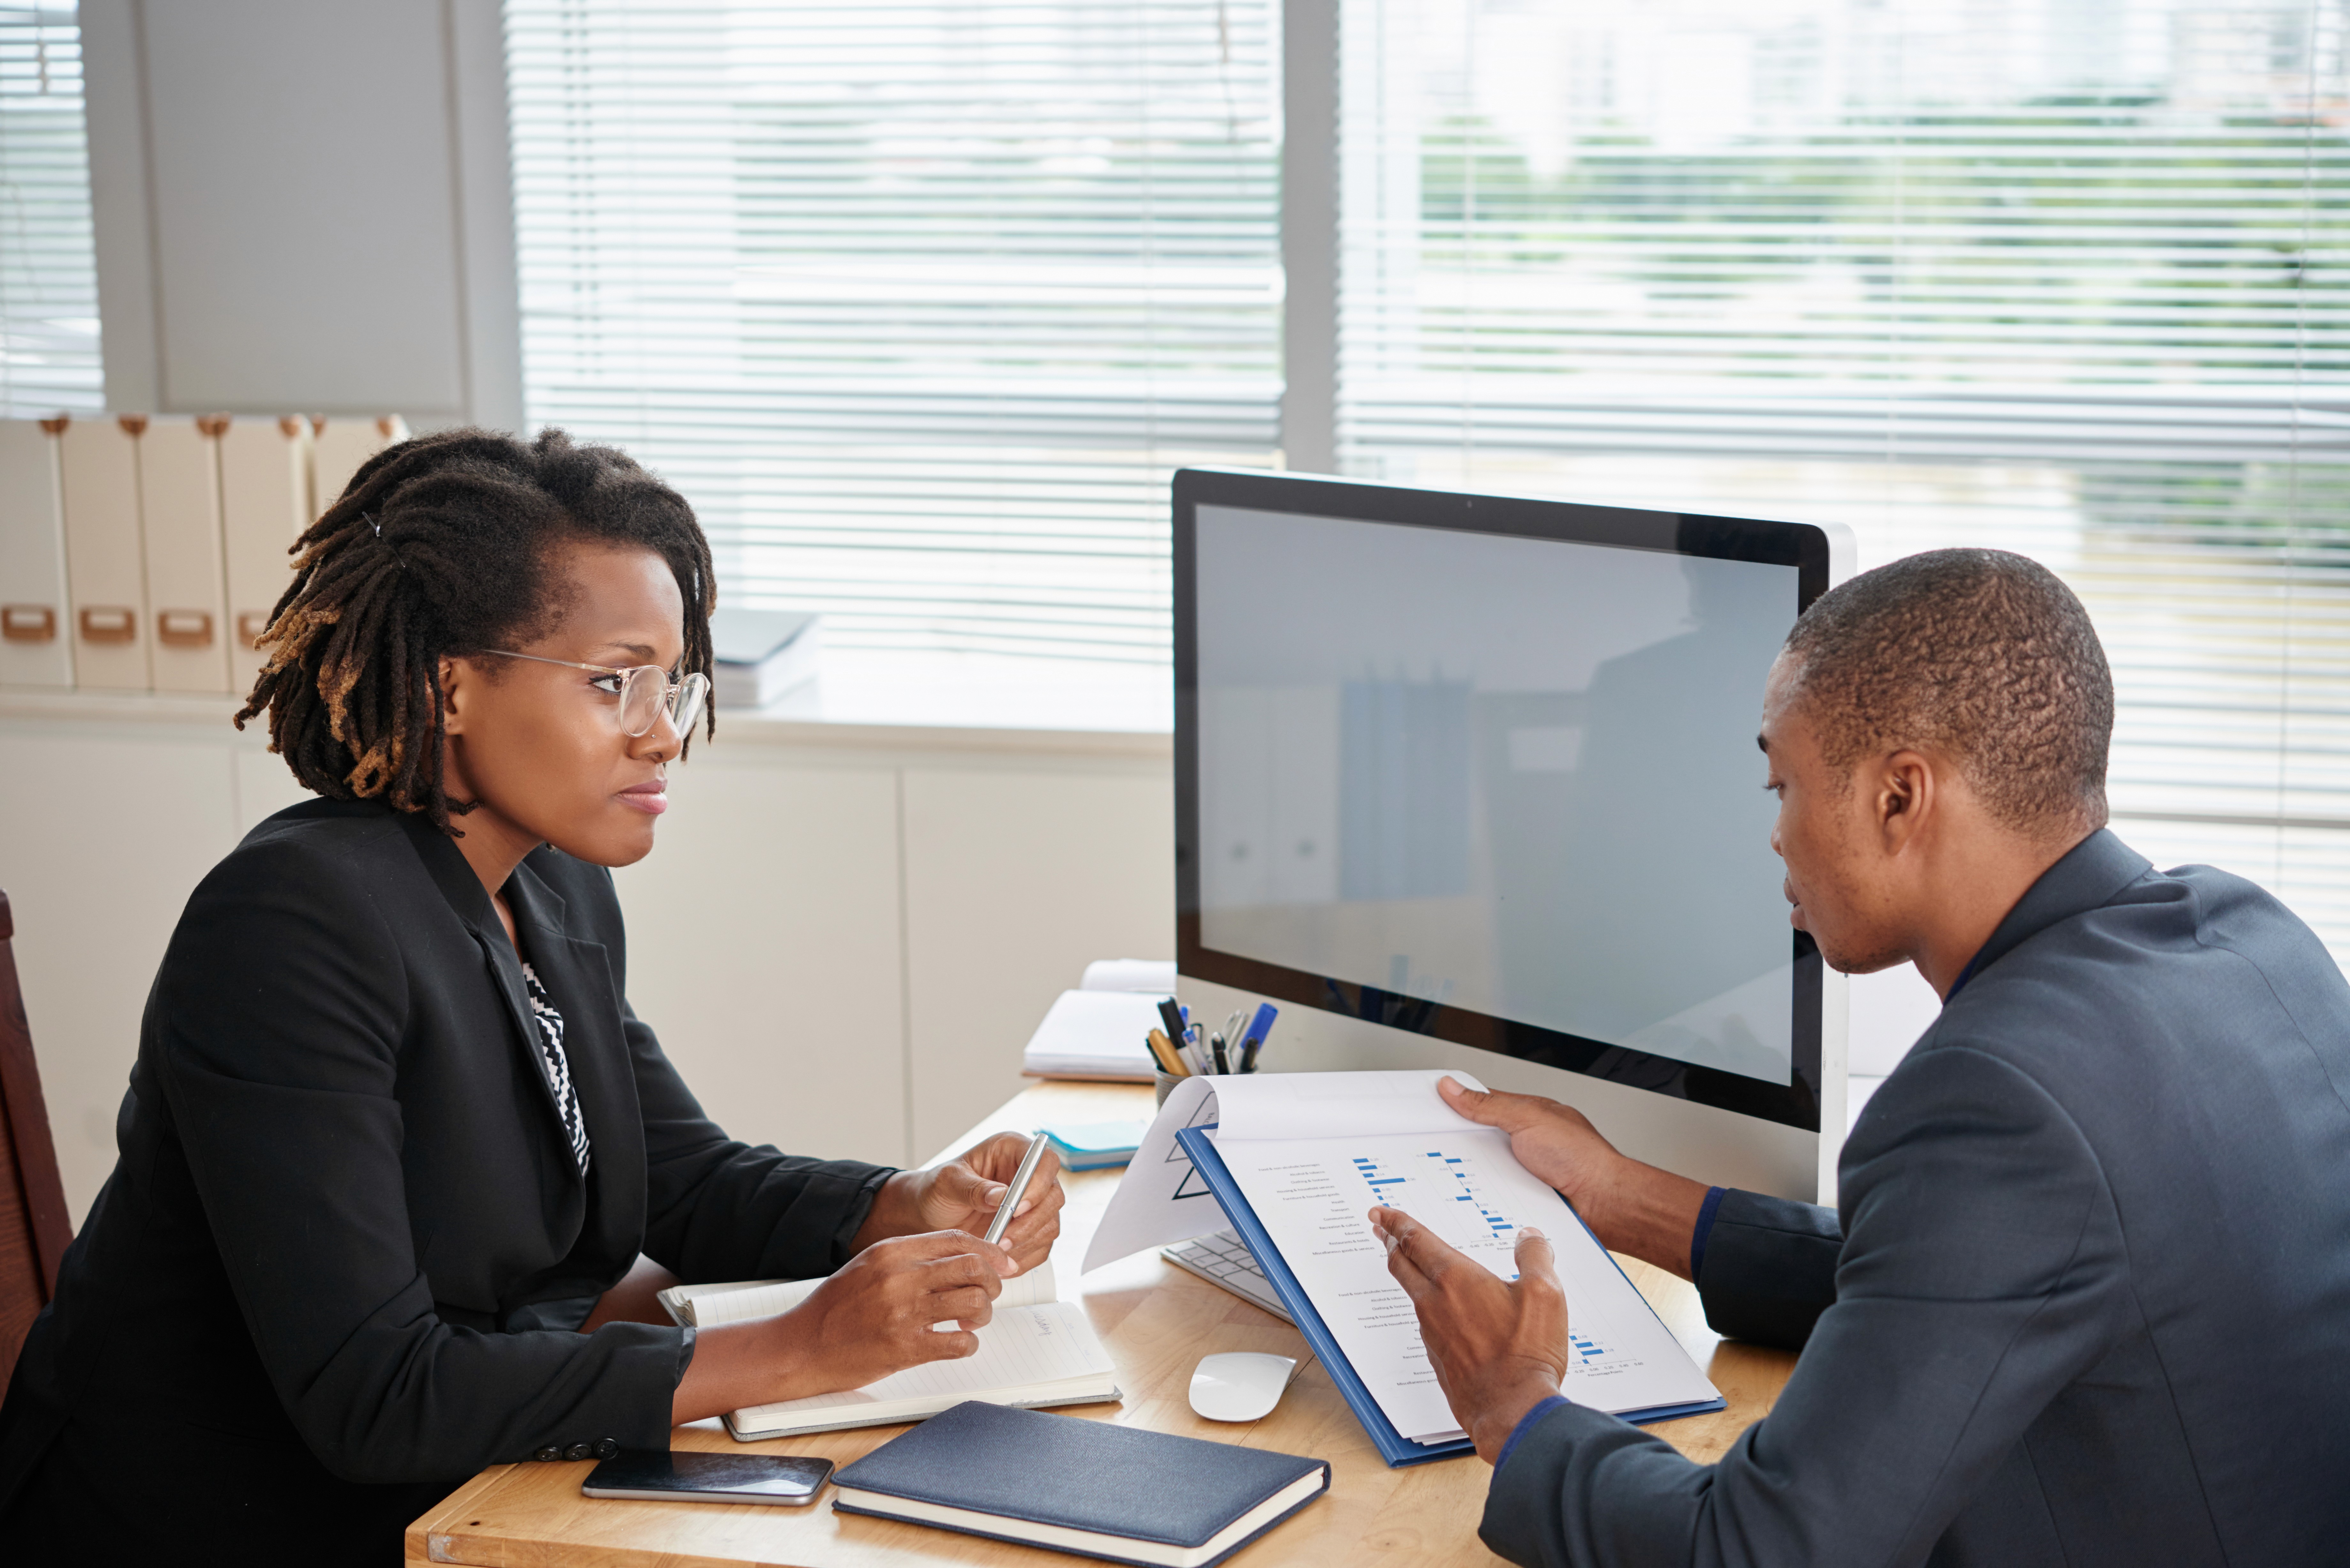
(844, 940)
(304, 204)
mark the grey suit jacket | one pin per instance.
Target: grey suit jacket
(2089, 1299)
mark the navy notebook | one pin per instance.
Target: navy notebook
(1088, 1487)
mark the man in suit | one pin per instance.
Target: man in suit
(2084, 1297)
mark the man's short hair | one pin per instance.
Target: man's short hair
(1979, 654)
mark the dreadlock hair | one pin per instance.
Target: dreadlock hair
(446, 544)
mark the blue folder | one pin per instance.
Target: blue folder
(1393, 1446)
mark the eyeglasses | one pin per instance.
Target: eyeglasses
(643, 692)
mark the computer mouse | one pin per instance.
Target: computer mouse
(1239, 1385)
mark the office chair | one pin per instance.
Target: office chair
(33, 1226)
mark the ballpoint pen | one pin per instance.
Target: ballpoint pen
(1017, 1188)
(1217, 1055)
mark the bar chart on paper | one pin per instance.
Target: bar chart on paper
(1442, 1190)
(1452, 1191)
(1587, 1355)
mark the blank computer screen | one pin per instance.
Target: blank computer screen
(1509, 774)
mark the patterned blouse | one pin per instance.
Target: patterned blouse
(558, 1065)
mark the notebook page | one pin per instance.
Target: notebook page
(752, 1301)
(726, 1304)
(683, 1302)
(1020, 1349)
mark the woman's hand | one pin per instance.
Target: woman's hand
(963, 1195)
(872, 1318)
(1630, 1207)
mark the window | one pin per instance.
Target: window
(2067, 277)
(920, 304)
(48, 272)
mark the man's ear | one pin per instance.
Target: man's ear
(1904, 797)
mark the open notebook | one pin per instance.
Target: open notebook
(1038, 1350)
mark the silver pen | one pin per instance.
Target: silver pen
(1019, 1187)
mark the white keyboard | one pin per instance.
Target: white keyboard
(1221, 1259)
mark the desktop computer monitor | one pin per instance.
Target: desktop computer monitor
(1471, 781)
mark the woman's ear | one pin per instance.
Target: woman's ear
(454, 689)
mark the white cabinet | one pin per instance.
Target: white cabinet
(105, 830)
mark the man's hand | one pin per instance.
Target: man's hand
(1632, 1208)
(1499, 1349)
(870, 1319)
(1556, 1142)
(963, 1195)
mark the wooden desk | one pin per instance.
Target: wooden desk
(1157, 1322)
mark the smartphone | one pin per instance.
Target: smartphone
(664, 1475)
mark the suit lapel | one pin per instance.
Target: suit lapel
(607, 1213)
(470, 901)
(578, 976)
(539, 912)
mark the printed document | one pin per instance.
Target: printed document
(1314, 1151)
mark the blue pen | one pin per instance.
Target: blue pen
(1259, 1027)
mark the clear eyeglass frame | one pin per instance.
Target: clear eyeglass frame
(644, 689)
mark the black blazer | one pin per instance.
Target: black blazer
(2085, 1295)
(339, 1263)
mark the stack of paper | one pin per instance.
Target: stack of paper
(1096, 1035)
(759, 655)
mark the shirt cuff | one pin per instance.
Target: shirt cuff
(1527, 1424)
(1704, 1228)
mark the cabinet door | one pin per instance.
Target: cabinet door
(1015, 882)
(101, 841)
(763, 949)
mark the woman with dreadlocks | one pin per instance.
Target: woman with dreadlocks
(400, 1170)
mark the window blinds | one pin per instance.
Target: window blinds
(2062, 277)
(48, 272)
(919, 304)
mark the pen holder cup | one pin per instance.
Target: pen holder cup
(1165, 1083)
